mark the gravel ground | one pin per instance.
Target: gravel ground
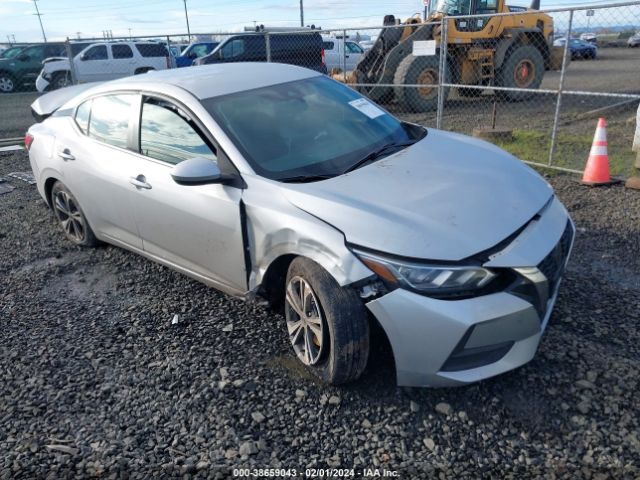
(97, 382)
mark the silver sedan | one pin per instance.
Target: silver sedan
(275, 181)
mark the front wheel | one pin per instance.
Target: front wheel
(7, 83)
(60, 80)
(327, 324)
(523, 68)
(416, 83)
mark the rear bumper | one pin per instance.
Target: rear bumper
(439, 343)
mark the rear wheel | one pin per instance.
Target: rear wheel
(523, 68)
(327, 324)
(7, 83)
(70, 216)
(423, 71)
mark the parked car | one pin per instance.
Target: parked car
(341, 54)
(193, 51)
(105, 61)
(634, 41)
(589, 37)
(21, 70)
(302, 49)
(274, 180)
(578, 48)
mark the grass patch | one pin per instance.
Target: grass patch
(572, 149)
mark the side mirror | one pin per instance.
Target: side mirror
(196, 171)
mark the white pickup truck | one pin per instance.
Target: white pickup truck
(104, 61)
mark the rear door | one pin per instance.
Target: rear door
(195, 227)
(122, 60)
(97, 165)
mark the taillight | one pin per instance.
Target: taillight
(28, 140)
(323, 56)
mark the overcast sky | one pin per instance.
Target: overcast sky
(62, 18)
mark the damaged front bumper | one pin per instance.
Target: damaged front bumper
(440, 343)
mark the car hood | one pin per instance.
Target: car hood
(446, 197)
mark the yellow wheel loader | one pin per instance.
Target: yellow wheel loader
(494, 49)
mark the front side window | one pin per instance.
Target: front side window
(82, 116)
(121, 51)
(354, 48)
(234, 48)
(34, 53)
(454, 7)
(314, 126)
(97, 52)
(109, 120)
(167, 134)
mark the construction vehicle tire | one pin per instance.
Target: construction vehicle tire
(522, 68)
(416, 71)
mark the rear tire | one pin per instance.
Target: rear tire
(7, 83)
(327, 324)
(414, 71)
(70, 216)
(523, 68)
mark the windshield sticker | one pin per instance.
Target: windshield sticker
(365, 106)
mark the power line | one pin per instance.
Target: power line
(35, 2)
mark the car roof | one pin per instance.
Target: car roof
(208, 81)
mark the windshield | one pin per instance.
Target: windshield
(310, 127)
(454, 7)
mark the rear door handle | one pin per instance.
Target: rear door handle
(140, 182)
(66, 155)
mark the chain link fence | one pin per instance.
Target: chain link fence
(533, 82)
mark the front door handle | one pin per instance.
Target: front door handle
(66, 155)
(140, 182)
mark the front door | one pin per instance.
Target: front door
(195, 227)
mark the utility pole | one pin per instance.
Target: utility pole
(186, 15)
(35, 2)
(301, 14)
(129, 34)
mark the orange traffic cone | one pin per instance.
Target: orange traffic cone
(597, 170)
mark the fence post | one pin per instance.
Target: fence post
(442, 71)
(344, 55)
(171, 58)
(267, 43)
(72, 66)
(556, 117)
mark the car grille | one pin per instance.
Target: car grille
(552, 265)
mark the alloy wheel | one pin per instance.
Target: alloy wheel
(305, 323)
(6, 85)
(69, 216)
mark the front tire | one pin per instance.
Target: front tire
(7, 83)
(327, 324)
(60, 80)
(523, 68)
(419, 71)
(70, 216)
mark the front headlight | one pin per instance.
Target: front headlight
(430, 279)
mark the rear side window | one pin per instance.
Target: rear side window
(121, 51)
(152, 50)
(327, 45)
(109, 121)
(168, 135)
(82, 116)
